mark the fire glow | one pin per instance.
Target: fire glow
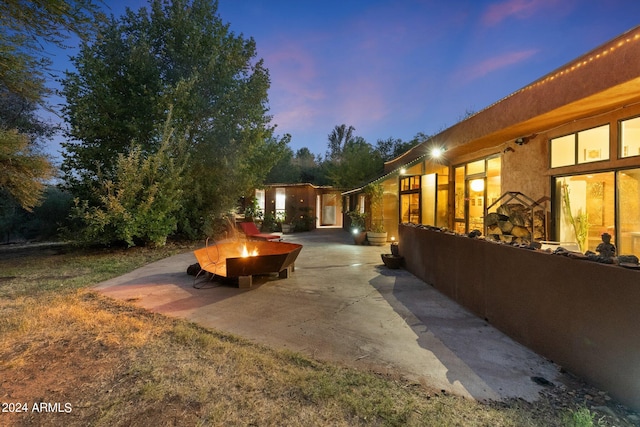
(246, 253)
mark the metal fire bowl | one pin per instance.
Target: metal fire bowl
(225, 259)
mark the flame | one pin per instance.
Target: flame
(246, 253)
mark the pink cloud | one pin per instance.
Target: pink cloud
(294, 85)
(363, 101)
(520, 9)
(492, 64)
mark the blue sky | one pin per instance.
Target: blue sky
(393, 68)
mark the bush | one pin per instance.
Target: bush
(141, 204)
(304, 221)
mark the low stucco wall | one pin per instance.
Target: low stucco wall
(583, 315)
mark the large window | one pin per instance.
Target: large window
(629, 211)
(424, 199)
(630, 137)
(586, 146)
(477, 184)
(429, 196)
(585, 208)
(588, 205)
(410, 199)
(260, 198)
(281, 199)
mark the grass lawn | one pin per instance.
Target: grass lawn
(70, 356)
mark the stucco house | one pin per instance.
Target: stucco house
(567, 148)
(575, 129)
(315, 206)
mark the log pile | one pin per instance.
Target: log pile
(515, 222)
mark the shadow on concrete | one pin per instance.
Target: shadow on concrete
(483, 360)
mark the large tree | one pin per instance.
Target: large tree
(27, 28)
(359, 163)
(176, 56)
(303, 166)
(340, 135)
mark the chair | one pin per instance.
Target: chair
(252, 233)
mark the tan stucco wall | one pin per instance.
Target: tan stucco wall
(523, 169)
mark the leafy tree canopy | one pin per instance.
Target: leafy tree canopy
(301, 167)
(172, 56)
(26, 27)
(358, 163)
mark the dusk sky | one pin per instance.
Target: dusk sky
(393, 68)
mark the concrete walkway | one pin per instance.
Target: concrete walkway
(343, 305)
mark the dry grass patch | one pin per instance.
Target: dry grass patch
(118, 365)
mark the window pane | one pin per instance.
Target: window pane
(493, 180)
(475, 167)
(476, 204)
(593, 144)
(563, 151)
(629, 212)
(630, 137)
(442, 219)
(586, 204)
(410, 208)
(280, 203)
(260, 197)
(429, 199)
(459, 187)
(415, 182)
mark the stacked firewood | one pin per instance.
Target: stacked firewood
(514, 222)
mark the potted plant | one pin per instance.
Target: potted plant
(376, 235)
(358, 225)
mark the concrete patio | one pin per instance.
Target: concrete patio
(343, 305)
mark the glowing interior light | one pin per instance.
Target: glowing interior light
(477, 185)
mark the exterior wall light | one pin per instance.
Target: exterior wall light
(436, 152)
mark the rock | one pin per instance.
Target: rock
(542, 381)
(627, 259)
(193, 269)
(475, 233)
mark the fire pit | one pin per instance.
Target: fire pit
(244, 260)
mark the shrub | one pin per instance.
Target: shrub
(141, 204)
